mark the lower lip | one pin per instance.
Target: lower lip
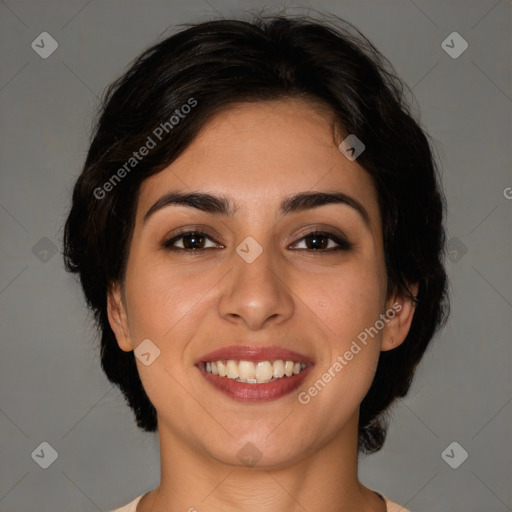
(265, 392)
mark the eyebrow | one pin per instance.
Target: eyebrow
(221, 205)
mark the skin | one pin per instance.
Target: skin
(312, 302)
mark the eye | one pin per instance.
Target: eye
(316, 241)
(192, 241)
(319, 242)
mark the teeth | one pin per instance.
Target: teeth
(231, 369)
(278, 369)
(222, 368)
(264, 371)
(247, 371)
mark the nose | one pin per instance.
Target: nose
(257, 294)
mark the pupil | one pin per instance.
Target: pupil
(193, 240)
(315, 242)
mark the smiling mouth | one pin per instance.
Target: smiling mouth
(249, 373)
(257, 372)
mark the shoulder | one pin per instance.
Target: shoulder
(129, 507)
(393, 507)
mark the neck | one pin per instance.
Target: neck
(325, 480)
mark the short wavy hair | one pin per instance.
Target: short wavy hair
(225, 62)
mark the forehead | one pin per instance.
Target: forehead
(259, 152)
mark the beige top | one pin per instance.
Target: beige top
(132, 506)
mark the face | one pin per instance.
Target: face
(268, 279)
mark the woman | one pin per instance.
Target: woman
(258, 228)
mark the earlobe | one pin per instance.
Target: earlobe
(117, 317)
(398, 324)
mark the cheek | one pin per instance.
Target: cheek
(166, 305)
(163, 298)
(348, 300)
(349, 303)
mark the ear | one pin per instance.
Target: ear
(397, 326)
(118, 318)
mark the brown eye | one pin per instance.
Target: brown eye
(318, 241)
(190, 241)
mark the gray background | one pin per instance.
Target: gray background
(52, 388)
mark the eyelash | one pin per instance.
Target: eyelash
(343, 245)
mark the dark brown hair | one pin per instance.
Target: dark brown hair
(214, 65)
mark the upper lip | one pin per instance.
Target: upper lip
(254, 354)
